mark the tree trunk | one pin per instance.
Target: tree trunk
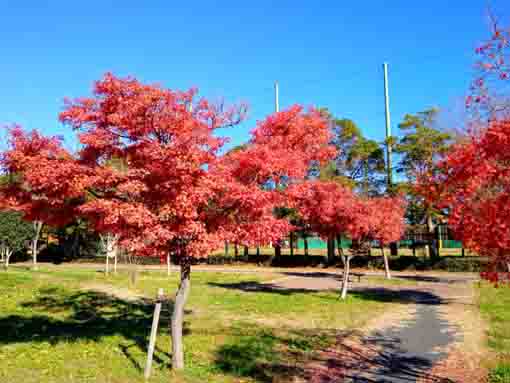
(178, 314)
(433, 248)
(246, 251)
(37, 232)
(339, 248)
(115, 264)
(386, 263)
(277, 250)
(110, 245)
(305, 243)
(291, 243)
(345, 280)
(75, 246)
(168, 264)
(258, 253)
(331, 250)
(8, 254)
(226, 248)
(365, 179)
(236, 250)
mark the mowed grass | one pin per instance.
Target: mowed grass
(495, 305)
(60, 325)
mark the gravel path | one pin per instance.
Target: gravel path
(399, 347)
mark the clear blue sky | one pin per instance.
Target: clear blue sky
(325, 53)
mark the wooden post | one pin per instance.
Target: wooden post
(154, 331)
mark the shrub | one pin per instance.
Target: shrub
(500, 374)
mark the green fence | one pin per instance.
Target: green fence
(318, 243)
(451, 244)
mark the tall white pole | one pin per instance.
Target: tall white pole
(388, 124)
(276, 97)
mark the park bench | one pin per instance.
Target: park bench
(357, 275)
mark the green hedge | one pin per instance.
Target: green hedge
(452, 264)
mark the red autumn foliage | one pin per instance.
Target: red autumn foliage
(331, 209)
(281, 151)
(150, 171)
(37, 165)
(489, 91)
(473, 184)
(386, 219)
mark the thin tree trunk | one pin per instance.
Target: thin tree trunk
(37, 232)
(339, 248)
(365, 179)
(305, 243)
(107, 263)
(433, 248)
(386, 263)
(291, 243)
(258, 253)
(168, 264)
(328, 256)
(178, 314)
(345, 280)
(8, 254)
(226, 248)
(115, 265)
(75, 246)
(331, 250)
(246, 251)
(236, 250)
(277, 250)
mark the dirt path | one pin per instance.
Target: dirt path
(436, 335)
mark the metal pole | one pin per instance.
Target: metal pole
(276, 97)
(388, 123)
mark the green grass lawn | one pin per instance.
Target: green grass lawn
(66, 326)
(495, 305)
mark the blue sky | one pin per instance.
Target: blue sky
(326, 53)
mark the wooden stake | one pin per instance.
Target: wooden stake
(154, 332)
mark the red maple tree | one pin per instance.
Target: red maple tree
(150, 172)
(32, 158)
(386, 222)
(331, 210)
(472, 183)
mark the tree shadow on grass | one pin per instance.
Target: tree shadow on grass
(86, 315)
(305, 355)
(270, 355)
(380, 294)
(258, 287)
